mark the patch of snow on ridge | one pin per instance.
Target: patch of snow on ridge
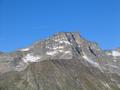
(108, 53)
(60, 51)
(68, 52)
(95, 64)
(31, 58)
(66, 42)
(51, 52)
(115, 60)
(25, 49)
(115, 53)
(106, 85)
(58, 47)
(90, 61)
(118, 85)
(55, 47)
(54, 52)
(62, 40)
(21, 66)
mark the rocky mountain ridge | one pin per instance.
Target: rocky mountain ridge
(65, 61)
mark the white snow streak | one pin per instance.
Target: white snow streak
(25, 49)
(115, 53)
(67, 52)
(90, 61)
(115, 60)
(118, 85)
(31, 58)
(51, 53)
(58, 47)
(66, 42)
(106, 85)
(55, 47)
(60, 51)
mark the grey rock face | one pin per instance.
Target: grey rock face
(65, 61)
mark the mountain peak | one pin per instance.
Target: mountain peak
(67, 33)
(71, 37)
(65, 55)
(61, 38)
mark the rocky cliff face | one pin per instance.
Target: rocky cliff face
(65, 61)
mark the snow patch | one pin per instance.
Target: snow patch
(48, 47)
(106, 85)
(54, 52)
(118, 85)
(31, 58)
(108, 53)
(67, 52)
(115, 53)
(90, 61)
(25, 49)
(61, 51)
(55, 47)
(115, 60)
(66, 42)
(58, 47)
(51, 52)
(59, 39)
(21, 66)
(95, 64)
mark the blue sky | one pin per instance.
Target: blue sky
(23, 22)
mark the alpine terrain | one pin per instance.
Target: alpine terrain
(64, 61)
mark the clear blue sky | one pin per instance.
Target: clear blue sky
(23, 22)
